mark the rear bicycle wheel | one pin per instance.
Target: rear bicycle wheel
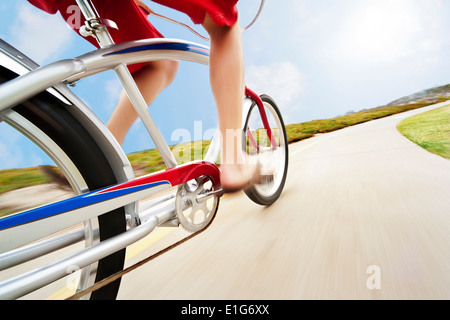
(258, 142)
(47, 121)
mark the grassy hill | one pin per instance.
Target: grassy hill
(428, 95)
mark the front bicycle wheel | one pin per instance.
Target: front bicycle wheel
(48, 122)
(270, 146)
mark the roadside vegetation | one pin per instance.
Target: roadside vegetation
(297, 132)
(12, 179)
(430, 130)
(149, 161)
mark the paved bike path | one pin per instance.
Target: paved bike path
(365, 215)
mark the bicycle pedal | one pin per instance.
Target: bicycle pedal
(205, 196)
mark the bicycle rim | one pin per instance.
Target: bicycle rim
(258, 142)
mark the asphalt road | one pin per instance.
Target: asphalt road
(365, 215)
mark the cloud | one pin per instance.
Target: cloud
(388, 31)
(380, 50)
(282, 81)
(38, 34)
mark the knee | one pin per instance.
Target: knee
(167, 69)
(164, 70)
(170, 69)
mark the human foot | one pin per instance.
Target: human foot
(236, 177)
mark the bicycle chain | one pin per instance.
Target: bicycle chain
(123, 272)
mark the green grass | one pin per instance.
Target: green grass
(149, 161)
(297, 132)
(430, 130)
(12, 179)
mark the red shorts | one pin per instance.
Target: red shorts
(132, 20)
(222, 12)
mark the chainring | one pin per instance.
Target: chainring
(196, 204)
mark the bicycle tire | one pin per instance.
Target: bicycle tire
(267, 193)
(52, 117)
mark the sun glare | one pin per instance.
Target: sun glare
(379, 31)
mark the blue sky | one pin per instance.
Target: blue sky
(317, 58)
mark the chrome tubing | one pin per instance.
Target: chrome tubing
(21, 255)
(140, 106)
(161, 206)
(21, 285)
(87, 9)
(26, 86)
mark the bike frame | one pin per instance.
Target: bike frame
(37, 223)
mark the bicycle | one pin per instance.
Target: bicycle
(112, 208)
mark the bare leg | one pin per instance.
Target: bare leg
(227, 84)
(151, 80)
